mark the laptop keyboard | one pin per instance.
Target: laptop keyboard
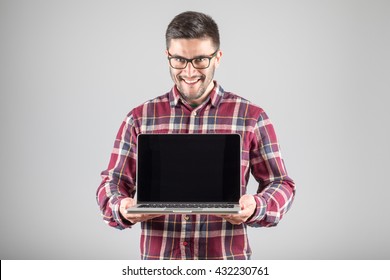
(186, 205)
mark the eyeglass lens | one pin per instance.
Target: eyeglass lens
(181, 63)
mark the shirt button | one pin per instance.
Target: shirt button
(185, 243)
(194, 113)
(186, 218)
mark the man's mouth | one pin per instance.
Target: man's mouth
(191, 81)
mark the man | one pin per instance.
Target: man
(197, 104)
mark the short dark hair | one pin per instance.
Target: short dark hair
(192, 25)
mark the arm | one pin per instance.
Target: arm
(276, 189)
(118, 180)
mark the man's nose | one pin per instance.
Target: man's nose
(190, 70)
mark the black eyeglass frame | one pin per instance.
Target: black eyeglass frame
(192, 59)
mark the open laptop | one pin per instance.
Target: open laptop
(188, 173)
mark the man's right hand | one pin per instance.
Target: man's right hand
(134, 218)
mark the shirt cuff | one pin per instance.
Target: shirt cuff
(119, 219)
(260, 211)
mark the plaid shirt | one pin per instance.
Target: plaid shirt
(199, 236)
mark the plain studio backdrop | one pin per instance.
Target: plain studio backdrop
(72, 70)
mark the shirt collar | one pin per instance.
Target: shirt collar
(215, 96)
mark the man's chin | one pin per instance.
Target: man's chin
(190, 90)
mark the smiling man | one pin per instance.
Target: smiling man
(198, 104)
(193, 77)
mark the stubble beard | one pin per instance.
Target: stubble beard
(202, 89)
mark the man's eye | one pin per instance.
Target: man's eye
(200, 59)
(178, 59)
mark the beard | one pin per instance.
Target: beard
(202, 84)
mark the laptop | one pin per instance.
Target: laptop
(188, 173)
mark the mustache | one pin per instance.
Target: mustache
(199, 77)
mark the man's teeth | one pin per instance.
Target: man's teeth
(191, 81)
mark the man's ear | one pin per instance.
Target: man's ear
(167, 54)
(218, 58)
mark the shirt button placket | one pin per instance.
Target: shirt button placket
(185, 243)
(194, 121)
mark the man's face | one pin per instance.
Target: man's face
(193, 84)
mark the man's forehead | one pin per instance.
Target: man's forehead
(184, 47)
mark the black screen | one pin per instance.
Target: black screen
(188, 167)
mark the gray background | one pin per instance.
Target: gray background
(72, 70)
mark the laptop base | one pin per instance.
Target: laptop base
(231, 210)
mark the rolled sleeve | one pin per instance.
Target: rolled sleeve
(118, 180)
(276, 189)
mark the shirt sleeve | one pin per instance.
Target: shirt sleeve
(118, 180)
(276, 189)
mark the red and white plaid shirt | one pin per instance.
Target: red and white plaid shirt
(199, 236)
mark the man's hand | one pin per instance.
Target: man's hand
(134, 218)
(248, 206)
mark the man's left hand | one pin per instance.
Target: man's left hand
(248, 207)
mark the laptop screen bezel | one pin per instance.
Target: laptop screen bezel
(235, 140)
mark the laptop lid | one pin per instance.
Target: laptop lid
(188, 168)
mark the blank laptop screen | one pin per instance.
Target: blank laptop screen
(188, 167)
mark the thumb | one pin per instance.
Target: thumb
(244, 200)
(126, 203)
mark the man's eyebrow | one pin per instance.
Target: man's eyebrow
(179, 56)
(175, 55)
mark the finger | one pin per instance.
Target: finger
(153, 216)
(137, 218)
(246, 213)
(133, 218)
(235, 221)
(240, 218)
(124, 204)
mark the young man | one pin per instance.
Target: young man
(198, 104)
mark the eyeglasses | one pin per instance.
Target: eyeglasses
(200, 62)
